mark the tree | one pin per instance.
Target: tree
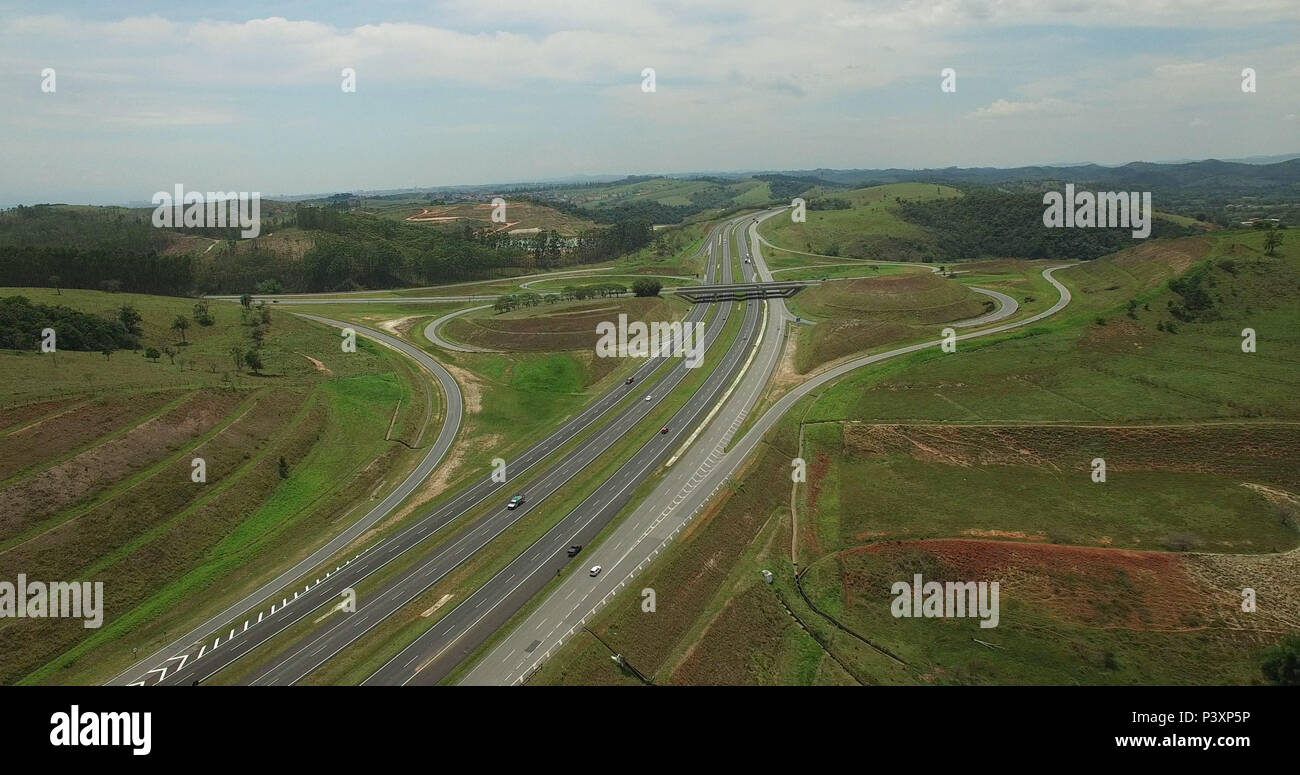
(238, 354)
(1281, 664)
(254, 360)
(246, 300)
(1271, 241)
(152, 354)
(54, 281)
(179, 325)
(107, 350)
(130, 318)
(201, 314)
(646, 286)
(170, 352)
(270, 286)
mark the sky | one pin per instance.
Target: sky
(239, 96)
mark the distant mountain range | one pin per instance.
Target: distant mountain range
(1211, 175)
(1257, 173)
(1275, 175)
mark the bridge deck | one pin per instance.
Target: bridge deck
(739, 291)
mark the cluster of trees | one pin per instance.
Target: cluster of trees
(646, 211)
(202, 315)
(21, 323)
(996, 223)
(117, 249)
(593, 245)
(787, 187)
(1271, 242)
(258, 319)
(568, 293)
(109, 269)
(829, 203)
(352, 251)
(1193, 289)
(646, 286)
(100, 249)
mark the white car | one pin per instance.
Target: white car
(595, 571)
(648, 397)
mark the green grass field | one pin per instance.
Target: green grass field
(868, 229)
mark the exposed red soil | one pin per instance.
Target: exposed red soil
(1095, 586)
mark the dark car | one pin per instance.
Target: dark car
(627, 381)
(663, 430)
(573, 550)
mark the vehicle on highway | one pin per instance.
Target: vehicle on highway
(663, 430)
(595, 571)
(627, 381)
(515, 502)
(573, 550)
(648, 397)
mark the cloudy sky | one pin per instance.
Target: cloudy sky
(246, 96)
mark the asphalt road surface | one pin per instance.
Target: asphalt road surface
(436, 652)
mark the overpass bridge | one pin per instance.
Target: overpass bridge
(701, 294)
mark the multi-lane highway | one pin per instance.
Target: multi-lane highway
(433, 655)
(690, 481)
(309, 653)
(202, 656)
(696, 478)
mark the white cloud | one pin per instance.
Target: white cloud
(1047, 107)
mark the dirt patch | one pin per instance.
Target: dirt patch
(399, 326)
(1096, 587)
(471, 389)
(319, 366)
(816, 475)
(785, 376)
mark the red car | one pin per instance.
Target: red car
(663, 430)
